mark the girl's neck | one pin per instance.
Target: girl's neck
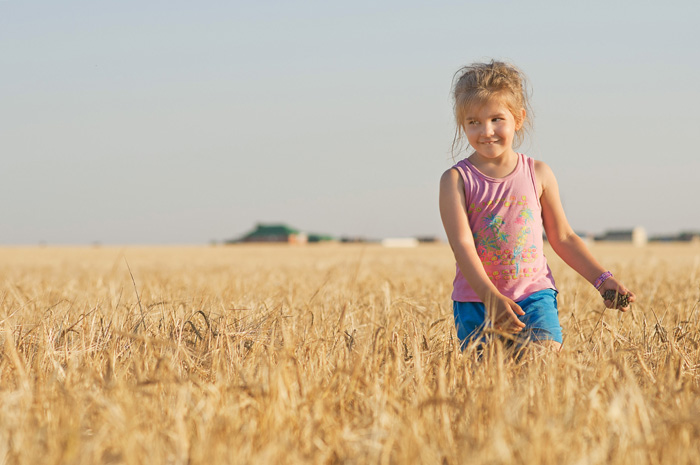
(499, 167)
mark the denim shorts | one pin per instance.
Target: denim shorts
(541, 318)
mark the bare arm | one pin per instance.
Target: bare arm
(453, 211)
(562, 238)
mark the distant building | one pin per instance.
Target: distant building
(428, 239)
(686, 236)
(274, 233)
(637, 236)
(690, 236)
(664, 238)
(316, 238)
(400, 242)
(354, 240)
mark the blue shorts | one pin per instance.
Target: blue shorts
(541, 318)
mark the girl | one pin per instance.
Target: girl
(494, 205)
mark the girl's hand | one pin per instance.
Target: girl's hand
(504, 312)
(613, 284)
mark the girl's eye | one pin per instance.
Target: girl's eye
(472, 123)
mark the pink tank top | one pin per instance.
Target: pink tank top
(505, 216)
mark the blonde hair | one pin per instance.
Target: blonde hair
(478, 83)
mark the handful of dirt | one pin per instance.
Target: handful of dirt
(623, 300)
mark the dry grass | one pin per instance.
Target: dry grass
(333, 354)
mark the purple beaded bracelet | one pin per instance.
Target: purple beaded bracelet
(601, 279)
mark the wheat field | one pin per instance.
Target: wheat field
(333, 354)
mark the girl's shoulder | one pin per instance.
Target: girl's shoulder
(453, 176)
(543, 171)
(546, 181)
(458, 170)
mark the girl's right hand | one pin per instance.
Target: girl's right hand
(505, 311)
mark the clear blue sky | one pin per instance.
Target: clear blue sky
(182, 122)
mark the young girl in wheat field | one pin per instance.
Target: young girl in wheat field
(495, 205)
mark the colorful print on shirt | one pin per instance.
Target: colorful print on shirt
(506, 245)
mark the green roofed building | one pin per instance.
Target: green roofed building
(275, 233)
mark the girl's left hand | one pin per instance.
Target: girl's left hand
(615, 285)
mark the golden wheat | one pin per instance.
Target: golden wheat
(333, 354)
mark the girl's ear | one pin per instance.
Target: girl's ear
(520, 121)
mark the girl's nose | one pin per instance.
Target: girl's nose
(488, 129)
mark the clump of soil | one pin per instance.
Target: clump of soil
(623, 300)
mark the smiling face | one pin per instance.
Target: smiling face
(490, 129)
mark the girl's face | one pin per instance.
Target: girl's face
(491, 127)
